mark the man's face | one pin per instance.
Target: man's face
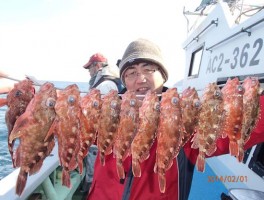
(92, 69)
(143, 77)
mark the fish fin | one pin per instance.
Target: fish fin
(162, 182)
(233, 148)
(200, 163)
(3, 102)
(66, 180)
(15, 134)
(21, 182)
(120, 169)
(51, 130)
(144, 156)
(240, 155)
(114, 151)
(80, 164)
(128, 153)
(211, 150)
(18, 128)
(155, 169)
(50, 147)
(136, 168)
(21, 122)
(16, 158)
(36, 167)
(97, 142)
(109, 150)
(224, 135)
(73, 164)
(11, 151)
(102, 159)
(195, 140)
(170, 164)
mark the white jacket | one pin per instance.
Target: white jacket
(106, 85)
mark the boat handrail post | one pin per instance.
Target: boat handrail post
(49, 189)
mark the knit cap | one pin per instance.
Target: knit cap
(142, 50)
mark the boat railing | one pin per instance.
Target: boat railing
(242, 30)
(45, 182)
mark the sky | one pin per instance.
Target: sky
(53, 39)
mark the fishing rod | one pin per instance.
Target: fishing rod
(36, 83)
(32, 79)
(261, 78)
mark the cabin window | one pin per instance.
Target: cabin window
(257, 161)
(195, 62)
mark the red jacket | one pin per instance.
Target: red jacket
(106, 184)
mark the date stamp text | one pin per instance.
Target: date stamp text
(227, 179)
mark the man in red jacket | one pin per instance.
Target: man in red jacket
(142, 69)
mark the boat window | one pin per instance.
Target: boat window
(257, 161)
(195, 62)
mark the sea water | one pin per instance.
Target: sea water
(6, 166)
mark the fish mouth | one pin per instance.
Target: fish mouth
(142, 90)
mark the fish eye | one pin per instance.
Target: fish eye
(95, 104)
(18, 93)
(157, 106)
(240, 88)
(254, 81)
(174, 100)
(197, 103)
(71, 99)
(218, 93)
(50, 102)
(132, 102)
(113, 104)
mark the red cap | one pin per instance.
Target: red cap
(98, 57)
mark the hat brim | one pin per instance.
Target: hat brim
(87, 65)
(125, 65)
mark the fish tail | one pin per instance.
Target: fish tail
(66, 178)
(120, 169)
(21, 182)
(136, 168)
(102, 158)
(162, 182)
(211, 150)
(200, 163)
(233, 148)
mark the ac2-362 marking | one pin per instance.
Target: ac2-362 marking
(239, 58)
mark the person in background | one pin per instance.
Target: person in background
(141, 69)
(103, 76)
